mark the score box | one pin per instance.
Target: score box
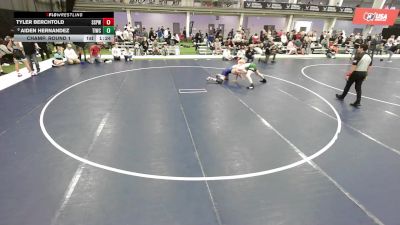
(109, 30)
(108, 21)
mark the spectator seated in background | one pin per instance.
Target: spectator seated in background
(299, 46)
(315, 45)
(217, 47)
(127, 55)
(250, 53)
(58, 57)
(258, 49)
(145, 45)
(324, 43)
(4, 50)
(136, 47)
(270, 49)
(229, 44)
(240, 53)
(332, 51)
(156, 48)
(238, 38)
(226, 55)
(95, 55)
(70, 55)
(176, 39)
(164, 50)
(291, 48)
(255, 39)
(116, 52)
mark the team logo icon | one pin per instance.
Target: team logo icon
(369, 16)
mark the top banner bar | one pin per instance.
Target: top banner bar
(299, 7)
(53, 15)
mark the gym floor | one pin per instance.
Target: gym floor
(151, 142)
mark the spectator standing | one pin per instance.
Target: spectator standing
(44, 50)
(19, 56)
(152, 35)
(145, 45)
(392, 50)
(144, 33)
(166, 35)
(30, 53)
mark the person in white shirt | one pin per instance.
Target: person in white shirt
(217, 47)
(116, 52)
(177, 38)
(166, 35)
(226, 55)
(284, 39)
(241, 53)
(70, 55)
(125, 34)
(238, 37)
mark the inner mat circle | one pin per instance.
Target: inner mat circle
(180, 178)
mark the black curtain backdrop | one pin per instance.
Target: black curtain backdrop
(387, 32)
(7, 22)
(70, 5)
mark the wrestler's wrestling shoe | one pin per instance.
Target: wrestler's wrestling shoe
(251, 86)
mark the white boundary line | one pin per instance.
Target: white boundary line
(151, 176)
(218, 217)
(347, 125)
(393, 114)
(78, 173)
(192, 91)
(310, 162)
(210, 194)
(315, 166)
(327, 85)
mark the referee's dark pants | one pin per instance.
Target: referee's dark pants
(357, 77)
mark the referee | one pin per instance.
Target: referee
(359, 71)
